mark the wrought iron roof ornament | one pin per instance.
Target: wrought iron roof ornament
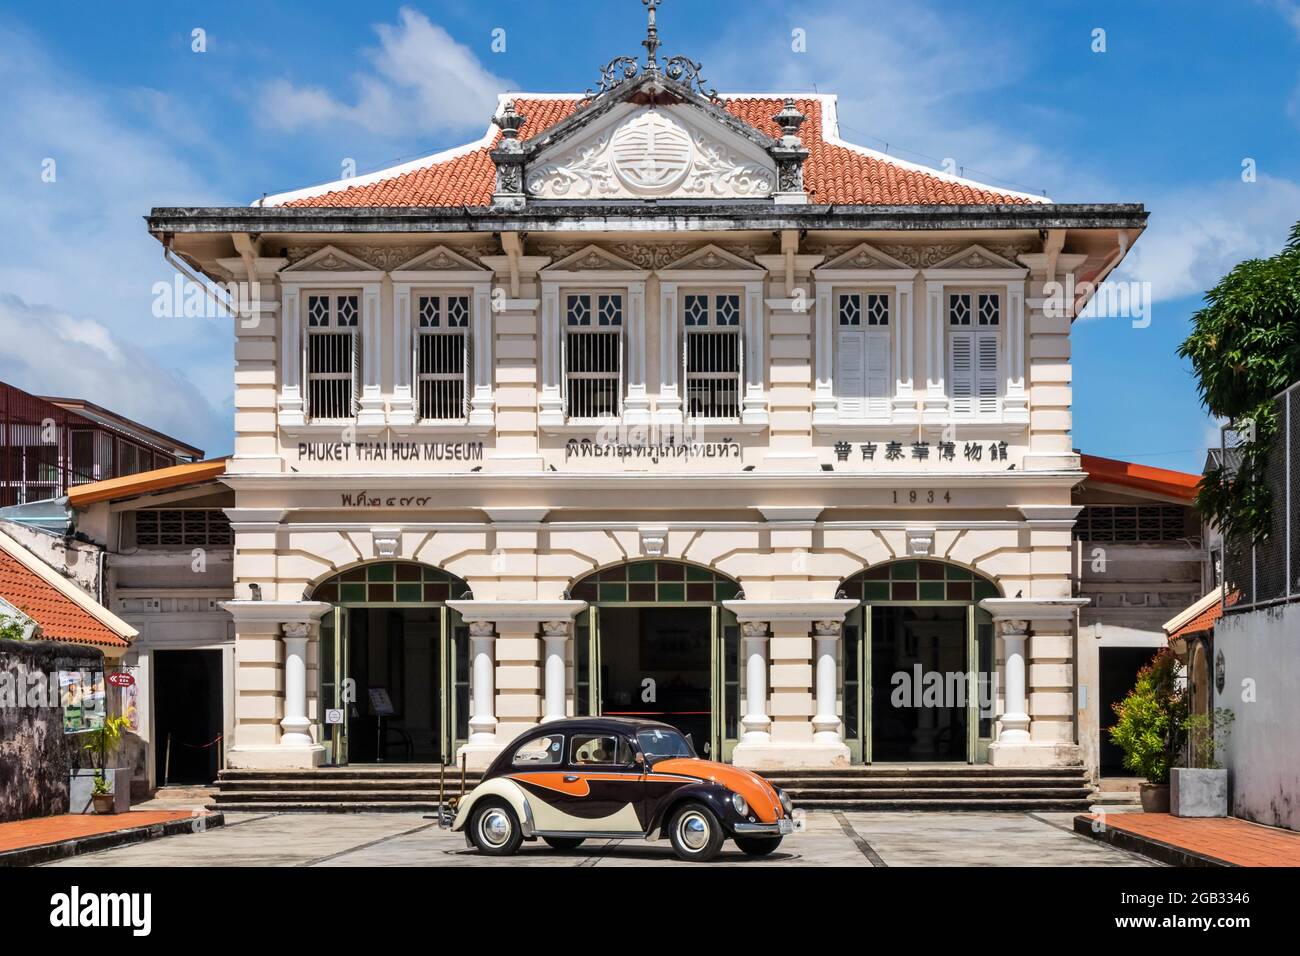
(679, 69)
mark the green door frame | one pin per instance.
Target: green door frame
(858, 738)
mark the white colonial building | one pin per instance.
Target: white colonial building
(655, 401)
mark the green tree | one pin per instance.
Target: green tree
(1245, 348)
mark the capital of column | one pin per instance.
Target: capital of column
(754, 630)
(556, 629)
(828, 630)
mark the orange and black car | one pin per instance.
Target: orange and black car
(604, 777)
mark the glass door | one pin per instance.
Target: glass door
(726, 683)
(337, 691)
(854, 668)
(982, 662)
(455, 683)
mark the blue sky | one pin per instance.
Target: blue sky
(284, 93)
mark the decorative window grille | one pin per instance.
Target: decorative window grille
(182, 527)
(333, 359)
(712, 356)
(973, 352)
(442, 357)
(593, 355)
(862, 383)
(1131, 523)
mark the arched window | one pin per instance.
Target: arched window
(659, 582)
(391, 582)
(911, 581)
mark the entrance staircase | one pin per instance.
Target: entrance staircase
(375, 788)
(968, 787)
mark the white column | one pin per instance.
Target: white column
(295, 727)
(371, 413)
(551, 401)
(936, 399)
(481, 350)
(556, 640)
(401, 409)
(1015, 404)
(1015, 720)
(755, 403)
(757, 724)
(826, 723)
(668, 411)
(904, 401)
(483, 723)
(291, 408)
(825, 406)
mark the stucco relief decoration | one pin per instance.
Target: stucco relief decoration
(1011, 628)
(650, 154)
(296, 629)
(555, 628)
(753, 629)
(827, 628)
(481, 629)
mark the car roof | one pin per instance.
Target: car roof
(595, 724)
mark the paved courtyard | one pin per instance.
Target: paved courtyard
(832, 839)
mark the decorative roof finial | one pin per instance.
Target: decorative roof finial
(651, 41)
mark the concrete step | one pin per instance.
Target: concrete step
(223, 797)
(328, 806)
(347, 773)
(901, 782)
(925, 770)
(967, 804)
(803, 798)
(339, 786)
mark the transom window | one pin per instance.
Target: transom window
(862, 381)
(918, 581)
(1131, 523)
(711, 356)
(974, 381)
(593, 355)
(332, 355)
(442, 357)
(391, 582)
(655, 582)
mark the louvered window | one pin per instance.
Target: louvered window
(442, 356)
(593, 355)
(862, 383)
(711, 356)
(333, 359)
(974, 320)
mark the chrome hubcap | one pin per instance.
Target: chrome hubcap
(693, 831)
(494, 828)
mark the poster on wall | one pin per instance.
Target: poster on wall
(82, 694)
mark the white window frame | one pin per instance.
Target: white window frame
(334, 326)
(420, 333)
(981, 336)
(711, 327)
(878, 341)
(595, 301)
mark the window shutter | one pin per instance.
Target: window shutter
(850, 372)
(877, 373)
(356, 370)
(961, 370)
(467, 365)
(987, 371)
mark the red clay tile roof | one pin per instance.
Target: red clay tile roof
(1109, 471)
(1206, 619)
(60, 618)
(834, 173)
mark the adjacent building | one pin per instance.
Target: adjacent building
(655, 401)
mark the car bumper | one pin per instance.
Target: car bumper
(781, 827)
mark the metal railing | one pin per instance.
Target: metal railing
(1268, 571)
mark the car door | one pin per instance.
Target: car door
(601, 789)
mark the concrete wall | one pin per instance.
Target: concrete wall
(76, 560)
(1261, 655)
(35, 755)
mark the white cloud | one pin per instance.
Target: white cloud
(419, 80)
(49, 352)
(1196, 235)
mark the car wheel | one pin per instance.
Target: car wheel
(563, 843)
(757, 846)
(695, 833)
(494, 829)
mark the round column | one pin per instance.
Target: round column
(756, 722)
(556, 640)
(295, 727)
(483, 722)
(1015, 720)
(826, 723)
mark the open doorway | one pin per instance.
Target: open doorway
(394, 659)
(1117, 669)
(187, 716)
(916, 716)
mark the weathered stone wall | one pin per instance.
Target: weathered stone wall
(35, 755)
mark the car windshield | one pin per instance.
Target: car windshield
(661, 743)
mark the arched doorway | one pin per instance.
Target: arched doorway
(394, 664)
(918, 662)
(657, 643)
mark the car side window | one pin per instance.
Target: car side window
(545, 751)
(601, 750)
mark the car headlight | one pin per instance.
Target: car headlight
(786, 805)
(738, 803)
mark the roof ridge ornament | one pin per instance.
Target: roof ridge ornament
(679, 69)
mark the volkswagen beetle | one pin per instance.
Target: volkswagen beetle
(611, 778)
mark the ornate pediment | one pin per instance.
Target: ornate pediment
(711, 257)
(648, 152)
(440, 259)
(592, 259)
(331, 259)
(863, 256)
(976, 256)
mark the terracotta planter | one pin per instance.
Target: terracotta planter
(105, 803)
(1155, 797)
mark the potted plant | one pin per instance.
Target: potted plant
(1150, 729)
(1201, 788)
(102, 743)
